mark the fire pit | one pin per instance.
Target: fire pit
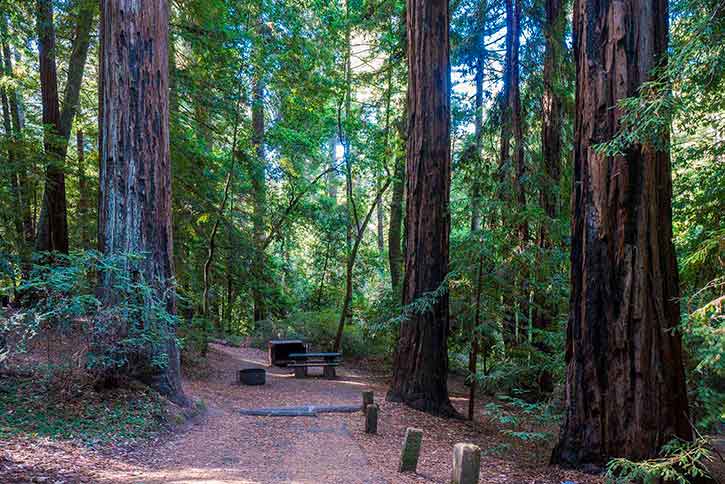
(252, 376)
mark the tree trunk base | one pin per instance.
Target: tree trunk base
(425, 404)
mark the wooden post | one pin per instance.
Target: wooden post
(367, 399)
(371, 419)
(411, 450)
(466, 464)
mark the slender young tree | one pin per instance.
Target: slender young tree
(625, 392)
(420, 367)
(552, 107)
(52, 232)
(256, 167)
(135, 169)
(53, 224)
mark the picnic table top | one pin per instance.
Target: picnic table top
(315, 355)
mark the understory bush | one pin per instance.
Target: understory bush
(319, 329)
(120, 334)
(119, 417)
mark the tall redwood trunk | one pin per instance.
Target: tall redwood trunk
(53, 224)
(551, 119)
(626, 392)
(135, 169)
(421, 358)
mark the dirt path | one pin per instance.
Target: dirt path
(226, 447)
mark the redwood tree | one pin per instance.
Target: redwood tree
(625, 391)
(135, 171)
(552, 111)
(421, 358)
(53, 222)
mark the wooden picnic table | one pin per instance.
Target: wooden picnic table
(326, 360)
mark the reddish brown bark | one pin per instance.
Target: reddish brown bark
(421, 358)
(625, 393)
(135, 170)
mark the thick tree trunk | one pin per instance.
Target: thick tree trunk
(551, 108)
(420, 367)
(135, 169)
(626, 393)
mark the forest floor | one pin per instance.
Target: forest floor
(222, 446)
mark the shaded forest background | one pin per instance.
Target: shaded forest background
(288, 132)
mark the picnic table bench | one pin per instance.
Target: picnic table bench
(327, 361)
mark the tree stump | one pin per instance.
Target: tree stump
(371, 419)
(367, 399)
(466, 464)
(411, 450)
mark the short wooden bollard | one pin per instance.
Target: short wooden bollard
(368, 398)
(371, 419)
(411, 450)
(466, 464)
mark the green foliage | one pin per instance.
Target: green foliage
(120, 417)
(703, 332)
(522, 420)
(319, 329)
(62, 298)
(681, 462)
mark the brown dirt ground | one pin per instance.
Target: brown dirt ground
(223, 446)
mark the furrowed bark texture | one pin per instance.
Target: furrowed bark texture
(421, 358)
(135, 171)
(626, 393)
